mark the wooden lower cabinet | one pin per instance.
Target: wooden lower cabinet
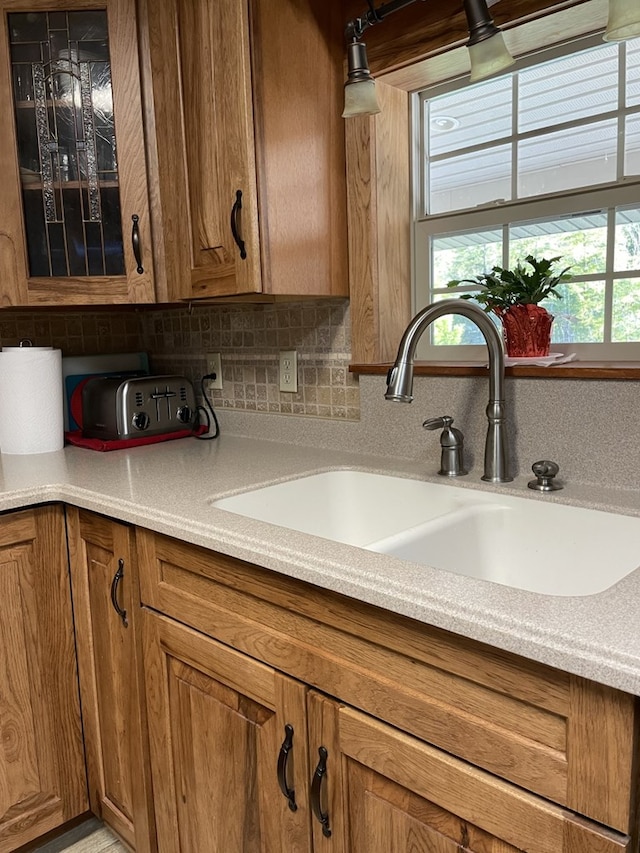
(403, 795)
(42, 773)
(405, 737)
(218, 726)
(106, 607)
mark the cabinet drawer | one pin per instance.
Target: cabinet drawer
(565, 738)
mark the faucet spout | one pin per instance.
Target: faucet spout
(400, 378)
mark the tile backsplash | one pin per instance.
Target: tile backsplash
(74, 332)
(249, 338)
(566, 420)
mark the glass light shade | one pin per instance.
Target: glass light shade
(624, 20)
(488, 57)
(360, 99)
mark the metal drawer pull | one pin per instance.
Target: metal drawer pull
(235, 210)
(114, 592)
(316, 788)
(135, 242)
(283, 758)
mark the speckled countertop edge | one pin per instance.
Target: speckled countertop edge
(168, 488)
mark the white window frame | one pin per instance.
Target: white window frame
(625, 192)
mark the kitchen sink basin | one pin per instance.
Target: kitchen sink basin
(526, 543)
(547, 548)
(354, 507)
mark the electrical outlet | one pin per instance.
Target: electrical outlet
(289, 371)
(214, 365)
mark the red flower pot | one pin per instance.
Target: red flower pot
(527, 330)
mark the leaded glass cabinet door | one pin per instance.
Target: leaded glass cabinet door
(77, 217)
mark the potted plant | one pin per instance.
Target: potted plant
(514, 295)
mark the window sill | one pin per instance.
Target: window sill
(574, 370)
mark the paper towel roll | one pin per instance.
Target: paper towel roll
(31, 400)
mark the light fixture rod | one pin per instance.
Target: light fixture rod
(356, 27)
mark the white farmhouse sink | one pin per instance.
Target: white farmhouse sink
(529, 544)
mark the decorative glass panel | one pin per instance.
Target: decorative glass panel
(66, 143)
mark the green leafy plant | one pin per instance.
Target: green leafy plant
(502, 288)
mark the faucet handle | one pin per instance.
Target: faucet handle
(545, 472)
(452, 443)
(438, 423)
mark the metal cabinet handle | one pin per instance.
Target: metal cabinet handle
(316, 789)
(135, 242)
(114, 592)
(235, 210)
(283, 758)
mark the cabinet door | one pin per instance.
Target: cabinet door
(75, 209)
(106, 606)
(402, 794)
(217, 726)
(201, 67)
(257, 88)
(42, 775)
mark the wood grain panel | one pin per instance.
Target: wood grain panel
(385, 816)
(216, 726)
(300, 145)
(427, 702)
(132, 175)
(378, 188)
(19, 766)
(393, 183)
(477, 798)
(603, 718)
(511, 716)
(363, 259)
(324, 732)
(108, 660)
(42, 776)
(483, 664)
(160, 69)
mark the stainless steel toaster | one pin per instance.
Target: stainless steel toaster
(114, 407)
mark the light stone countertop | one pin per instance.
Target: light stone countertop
(168, 488)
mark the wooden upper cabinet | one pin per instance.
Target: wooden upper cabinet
(243, 109)
(74, 205)
(215, 67)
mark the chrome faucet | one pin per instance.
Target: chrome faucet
(400, 378)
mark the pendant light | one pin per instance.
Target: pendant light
(488, 53)
(624, 20)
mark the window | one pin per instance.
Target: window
(544, 161)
